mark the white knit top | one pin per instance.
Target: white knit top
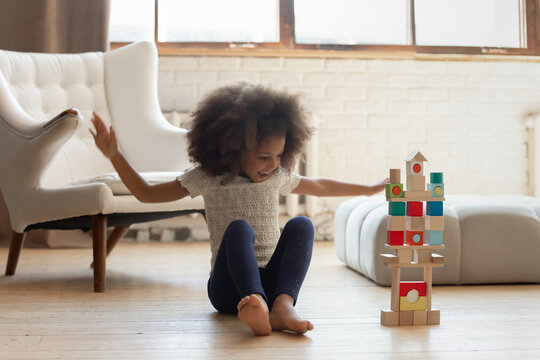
(228, 198)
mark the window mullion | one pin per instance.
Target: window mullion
(286, 24)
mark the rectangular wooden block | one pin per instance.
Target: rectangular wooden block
(433, 237)
(395, 176)
(420, 304)
(389, 258)
(417, 194)
(415, 208)
(406, 286)
(437, 259)
(406, 318)
(389, 318)
(395, 223)
(404, 255)
(434, 208)
(434, 222)
(437, 190)
(416, 182)
(396, 208)
(394, 191)
(414, 237)
(420, 317)
(415, 223)
(395, 237)
(433, 317)
(422, 256)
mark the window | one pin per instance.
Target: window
(300, 26)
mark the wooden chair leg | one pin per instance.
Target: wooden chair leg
(17, 240)
(116, 235)
(99, 230)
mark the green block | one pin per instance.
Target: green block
(396, 208)
(394, 191)
(436, 178)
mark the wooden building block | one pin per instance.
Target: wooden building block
(395, 176)
(406, 286)
(437, 259)
(415, 223)
(434, 208)
(389, 318)
(394, 295)
(433, 237)
(417, 194)
(415, 208)
(389, 258)
(420, 317)
(396, 208)
(434, 222)
(395, 223)
(437, 190)
(422, 256)
(405, 304)
(433, 317)
(394, 191)
(414, 237)
(404, 255)
(436, 178)
(416, 182)
(395, 237)
(406, 318)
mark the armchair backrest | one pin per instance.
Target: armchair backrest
(43, 85)
(121, 85)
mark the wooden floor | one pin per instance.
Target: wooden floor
(156, 307)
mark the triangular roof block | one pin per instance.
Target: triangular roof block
(416, 156)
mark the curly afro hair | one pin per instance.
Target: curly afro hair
(235, 118)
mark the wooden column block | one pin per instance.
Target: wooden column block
(389, 318)
(404, 255)
(406, 318)
(395, 176)
(420, 317)
(434, 317)
(394, 297)
(428, 278)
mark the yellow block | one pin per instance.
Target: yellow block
(420, 304)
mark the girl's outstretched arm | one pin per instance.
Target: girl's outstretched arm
(329, 187)
(105, 140)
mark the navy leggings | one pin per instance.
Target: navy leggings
(236, 273)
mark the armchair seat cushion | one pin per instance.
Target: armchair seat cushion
(113, 181)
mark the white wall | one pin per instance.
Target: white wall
(466, 117)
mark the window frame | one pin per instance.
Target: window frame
(286, 46)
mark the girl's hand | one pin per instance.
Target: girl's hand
(104, 138)
(379, 186)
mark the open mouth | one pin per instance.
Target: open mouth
(263, 174)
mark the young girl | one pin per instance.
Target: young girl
(245, 141)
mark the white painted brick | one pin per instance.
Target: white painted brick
(405, 80)
(386, 66)
(226, 76)
(384, 93)
(165, 77)
(281, 77)
(177, 62)
(445, 80)
(198, 76)
(323, 78)
(323, 106)
(364, 107)
(406, 107)
(311, 92)
(426, 67)
(346, 65)
(425, 94)
(303, 65)
(366, 79)
(390, 122)
(219, 63)
(261, 63)
(347, 92)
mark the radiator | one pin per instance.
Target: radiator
(532, 124)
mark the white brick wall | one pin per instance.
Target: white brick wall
(467, 117)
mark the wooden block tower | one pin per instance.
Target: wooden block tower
(412, 236)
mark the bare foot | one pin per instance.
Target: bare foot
(284, 317)
(253, 311)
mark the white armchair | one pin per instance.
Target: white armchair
(51, 173)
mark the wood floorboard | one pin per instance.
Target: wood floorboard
(155, 307)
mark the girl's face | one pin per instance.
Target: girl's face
(260, 161)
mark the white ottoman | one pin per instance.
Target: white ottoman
(488, 239)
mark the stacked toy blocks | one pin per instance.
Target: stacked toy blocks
(413, 235)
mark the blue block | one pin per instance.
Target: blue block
(434, 237)
(437, 190)
(434, 208)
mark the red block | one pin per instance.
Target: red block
(406, 286)
(414, 238)
(395, 237)
(415, 208)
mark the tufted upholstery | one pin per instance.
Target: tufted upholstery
(488, 239)
(52, 170)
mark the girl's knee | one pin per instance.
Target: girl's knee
(239, 228)
(301, 224)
